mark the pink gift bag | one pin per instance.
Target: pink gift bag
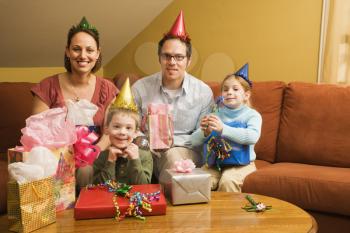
(160, 126)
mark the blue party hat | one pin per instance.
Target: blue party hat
(243, 73)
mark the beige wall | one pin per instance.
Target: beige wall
(30, 74)
(27, 74)
(279, 39)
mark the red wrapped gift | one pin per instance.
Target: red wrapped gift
(98, 202)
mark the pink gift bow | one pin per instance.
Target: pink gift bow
(85, 152)
(184, 166)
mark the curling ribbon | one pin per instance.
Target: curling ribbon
(85, 152)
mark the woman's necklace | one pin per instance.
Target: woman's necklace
(76, 98)
(74, 91)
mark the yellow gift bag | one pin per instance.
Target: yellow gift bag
(30, 206)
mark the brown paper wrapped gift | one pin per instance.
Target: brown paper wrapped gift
(186, 188)
(30, 206)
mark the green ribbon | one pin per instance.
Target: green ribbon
(123, 189)
(253, 207)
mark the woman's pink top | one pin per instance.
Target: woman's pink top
(49, 91)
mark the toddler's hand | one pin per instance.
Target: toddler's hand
(204, 124)
(215, 123)
(113, 154)
(132, 151)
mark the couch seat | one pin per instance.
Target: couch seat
(311, 187)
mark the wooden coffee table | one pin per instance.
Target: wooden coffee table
(222, 214)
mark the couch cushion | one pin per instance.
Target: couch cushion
(215, 87)
(311, 187)
(261, 163)
(315, 125)
(267, 99)
(16, 101)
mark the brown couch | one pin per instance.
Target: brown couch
(304, 149)
(303, 155)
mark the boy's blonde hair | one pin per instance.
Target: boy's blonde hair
(243, 82)
(131, 113)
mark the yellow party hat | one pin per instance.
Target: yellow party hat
(125, 98)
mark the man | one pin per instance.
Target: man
(190, 98)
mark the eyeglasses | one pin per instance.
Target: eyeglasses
(169, 57)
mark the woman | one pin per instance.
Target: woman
(82, 59)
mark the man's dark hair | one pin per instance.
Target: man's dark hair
(169, 37)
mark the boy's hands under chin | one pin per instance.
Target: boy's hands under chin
(132, 151)
(114, 153)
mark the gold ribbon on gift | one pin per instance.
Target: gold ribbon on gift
(31, 205)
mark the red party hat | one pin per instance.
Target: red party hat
(178, 29)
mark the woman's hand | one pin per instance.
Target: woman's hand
(132, 151)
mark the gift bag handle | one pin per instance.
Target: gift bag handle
(37, 194)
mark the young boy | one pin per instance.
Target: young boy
(124, 161)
